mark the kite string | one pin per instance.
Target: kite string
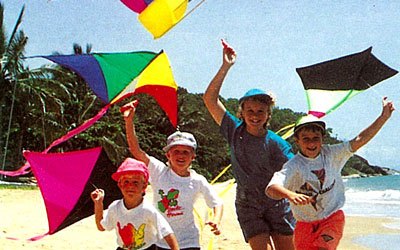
(188, 13)
(94, 185)
(193, 9)
(377, 93)
(9, 121)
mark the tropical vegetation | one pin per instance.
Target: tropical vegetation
(40, 105)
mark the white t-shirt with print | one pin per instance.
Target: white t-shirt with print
(139, 227)
(174, 196)
(318, 177)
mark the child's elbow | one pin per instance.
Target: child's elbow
(100, 228)
(270, 192)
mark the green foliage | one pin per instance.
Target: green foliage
(50, 101)
(23, 187)
(15, 87)
(153, 127)
(358, 165)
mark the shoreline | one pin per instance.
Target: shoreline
(23, 216)
(358, 227)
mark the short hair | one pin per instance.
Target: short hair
(309, 127)
(266, 99)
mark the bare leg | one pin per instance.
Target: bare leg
(261, 242)
(283, 242)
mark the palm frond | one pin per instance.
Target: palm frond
(2, 31)
(14, 55)
(16, 26)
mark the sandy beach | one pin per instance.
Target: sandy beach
(23, 216)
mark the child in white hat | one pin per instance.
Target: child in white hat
(175, 185)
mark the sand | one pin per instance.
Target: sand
(23, 215)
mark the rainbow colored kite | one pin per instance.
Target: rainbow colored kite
(158, 16)
(115, 76)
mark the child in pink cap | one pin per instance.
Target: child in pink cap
(138, 225)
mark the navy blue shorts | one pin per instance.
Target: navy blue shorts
(273, 220)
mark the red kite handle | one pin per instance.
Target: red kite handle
(129, 105)
(227, 46)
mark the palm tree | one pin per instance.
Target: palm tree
(27, 102)
(11, 67)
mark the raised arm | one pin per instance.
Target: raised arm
(367, 134)
(211, 96)
(98, 197)
(133, 142)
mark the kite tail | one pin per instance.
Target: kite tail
(30, 239)
(25, 169)
(39, 237)
(79, 129)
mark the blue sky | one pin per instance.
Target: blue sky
(272, 39)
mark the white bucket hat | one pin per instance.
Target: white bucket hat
(307, 120)
(180, 138)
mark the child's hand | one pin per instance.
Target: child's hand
(387, 108)
(214, 227)
(128, 110)
(229, 54)
(97, 195)
(300, 199)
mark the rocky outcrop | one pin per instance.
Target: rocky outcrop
(357, 166)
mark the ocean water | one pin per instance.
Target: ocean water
(375, 197)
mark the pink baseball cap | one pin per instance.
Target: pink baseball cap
(131, 166)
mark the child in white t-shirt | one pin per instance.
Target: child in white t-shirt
(312, 181)
(138, 225)
(175, 185)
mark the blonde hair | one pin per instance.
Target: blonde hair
(268, 100)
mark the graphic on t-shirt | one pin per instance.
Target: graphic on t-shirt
(320, 175)
(169, 203)
(133, 239)
(307, 189)
(314, 188)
